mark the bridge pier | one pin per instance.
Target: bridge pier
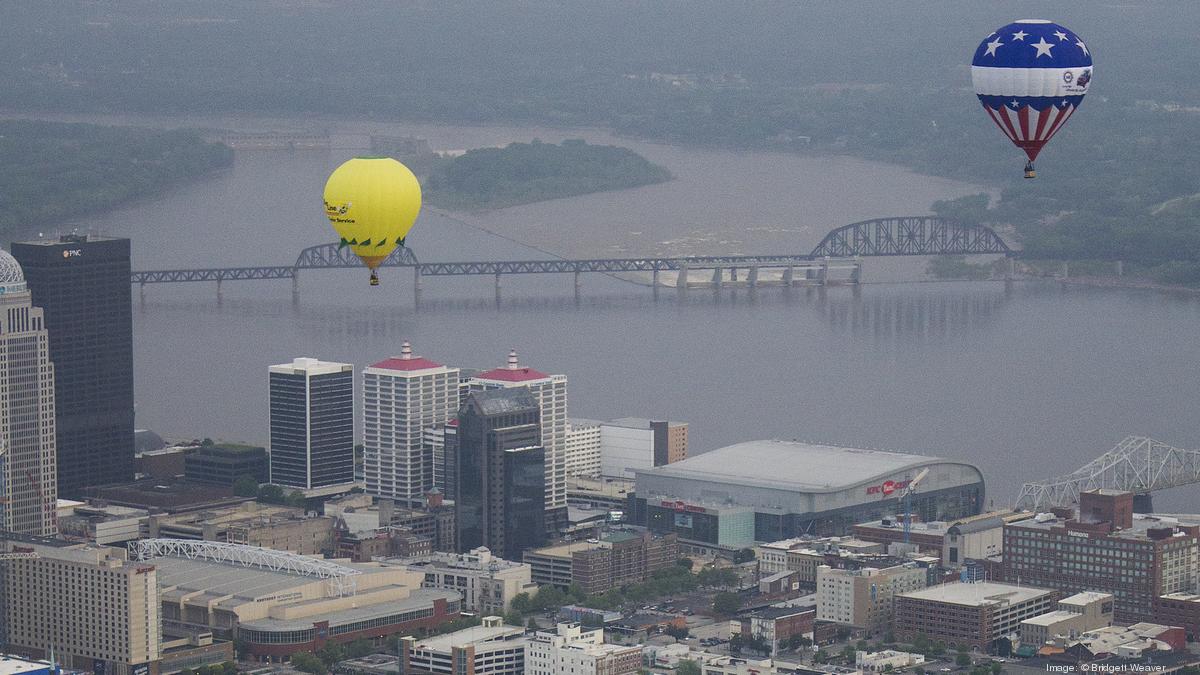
(823, 272)
(295, 285)
(220, 294)
(1066, 270)
(1119, 268)
(654, 278)
(788, 273)
(142, 292)
(856, 273)
(578, 281)
(1010, 269)
(681, 281)
(716, 278)
(752, 277)
(497, 287)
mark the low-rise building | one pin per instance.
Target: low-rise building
(282, 528)
(1075, 615)
(487, 583)
(1180, 609)
(225, 463)
(571, 649)
(99, 523)
(973, 614)
(605, 492)
(805, 555)
(954, 541)
(88, 607)
(15, 665)
(886, 660)
(491, 648)
(774, 624)
(629, 444)
(278, 603)
(863, 598)
(617, 558)
(166, 495)
(1125, 641)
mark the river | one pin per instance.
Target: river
(1026, 382)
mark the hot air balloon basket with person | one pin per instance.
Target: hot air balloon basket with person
(1031, 76)
(372, 203)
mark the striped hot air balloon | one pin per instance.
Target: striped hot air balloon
(1030, 76)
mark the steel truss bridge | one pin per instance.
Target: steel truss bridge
(1136, 464)
(339, 578)
(837, 252)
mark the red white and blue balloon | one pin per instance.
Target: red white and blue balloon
(1030, 76)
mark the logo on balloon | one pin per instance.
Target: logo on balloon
(1068, 77)
(334, 211)
(1084, 78)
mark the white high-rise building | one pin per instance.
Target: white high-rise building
(551, 394)
(402, 397)
(27, 430)
(583, 447)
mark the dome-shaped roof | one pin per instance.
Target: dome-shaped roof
(12, 277)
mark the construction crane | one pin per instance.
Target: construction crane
(50, 509)
(907, 497)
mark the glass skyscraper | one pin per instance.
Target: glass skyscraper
(81, 282)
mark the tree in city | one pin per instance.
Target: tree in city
(996, 668)
(229, 668)
(962, 660)
(726, 603)
(848, 653)
(296, 499)
(331, 653)
(359, 648)
(577, 593)
(533, 624)
(861, 645)
(521, 604)
(685, 563)
(736, 642)
(677, 632)
(245, 486)
(687, 667)
(308, 663)
(743, 556)
(270, 494)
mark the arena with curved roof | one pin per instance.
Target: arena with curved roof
(770, 490)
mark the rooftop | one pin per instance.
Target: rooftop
(1050, 618)
(638, 423)
(13, 665)
(978, 594)
(420, 598)
(793, 465)
(406, 361)
(513, 371)
(1085, 598)
(310, 366)
(1142, 524)
(476, 635)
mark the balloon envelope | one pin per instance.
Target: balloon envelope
(1030, 76)
(372, 202)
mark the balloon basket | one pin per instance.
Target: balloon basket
(1029, 170)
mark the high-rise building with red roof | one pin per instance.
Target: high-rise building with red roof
(402, 397)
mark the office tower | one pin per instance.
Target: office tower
(26, 408)
(402, 397)
(81, 282)
(312, 424)
(499, 461)
(550, 391)
(89, 607)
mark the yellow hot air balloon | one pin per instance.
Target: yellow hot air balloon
(372, 202)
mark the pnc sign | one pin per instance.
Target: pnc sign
(887, 487)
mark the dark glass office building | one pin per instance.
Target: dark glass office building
(499, 472)
(82, 283)
(312, 424)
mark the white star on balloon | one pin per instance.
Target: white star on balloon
(1060, 35)
(1020, 35)
(1081, 46)
(991, 47)
(1043, 48)
(1014, 104)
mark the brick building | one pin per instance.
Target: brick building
(618, 558)
(1106, 548)
(973, 614)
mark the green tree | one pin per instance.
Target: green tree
(962, 660)
(687, 667)
(229, 668)
(270, 494)
(996, 668)
(745, 555)
(726, 603)
(206, 443)
(245, 486)
(331, 653)
(685, 563)
(848, 653)
(521, 603)
(533, 624)
(861, 645)
(577, 593)
(296, 499)
(308, 663)
(359, 648)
